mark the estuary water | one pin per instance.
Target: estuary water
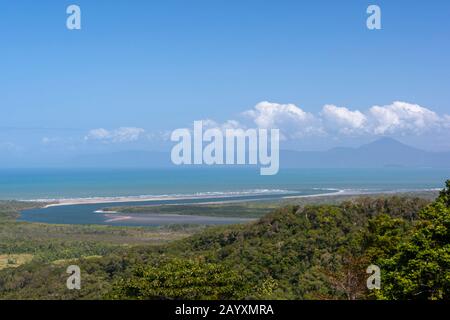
(172, 186)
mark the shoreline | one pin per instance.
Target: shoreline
(165, 219)
(113, 218)
(96, 213)
(107, 200)
(124, 199)
(165, 197)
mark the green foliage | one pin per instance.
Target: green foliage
(296, 252)
(9, 209)
(419, 267)
(180, 279)
(42, 253)
(240, 210)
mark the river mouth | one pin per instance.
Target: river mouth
(100, 189)
(92, 213)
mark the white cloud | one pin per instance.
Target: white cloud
(446, 121)
(398, 118)
(342, 119)
(229, 124)
(270, 115)
(122, 134)
(98, 134)
(50, 140)
(403, 117)
(290, 119)
(162, 135)
(126, 134)
(46, 140)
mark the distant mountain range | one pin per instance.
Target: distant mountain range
(385, 152)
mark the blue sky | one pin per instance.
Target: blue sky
(160, 65)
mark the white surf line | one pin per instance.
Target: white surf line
(106, 201)
(343, 192)
(67, 202)
(338, 192)
(362, 192)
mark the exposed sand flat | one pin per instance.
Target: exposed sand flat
(113, 218)
(158, 219)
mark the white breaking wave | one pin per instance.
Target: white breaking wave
(182, 196)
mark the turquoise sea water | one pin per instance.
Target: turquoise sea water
(192, 186)
(84, 183)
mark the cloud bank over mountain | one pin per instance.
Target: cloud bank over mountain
(384, 152)
(398, 118)
(300, 129)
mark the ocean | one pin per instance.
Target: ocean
(181, 185)
(32, 184)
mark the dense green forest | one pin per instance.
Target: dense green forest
(308, 251)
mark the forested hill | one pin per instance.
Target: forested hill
(314, 252)
(310, 252)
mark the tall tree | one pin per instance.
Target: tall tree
(420, 267)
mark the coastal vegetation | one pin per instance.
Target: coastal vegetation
(240, 210)
(297, 251)
(251, 209)
(50, 242)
